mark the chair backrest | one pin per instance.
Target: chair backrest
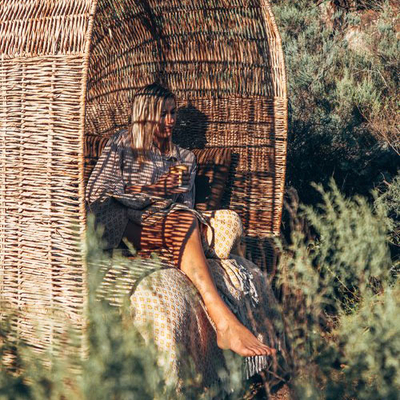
(223, 59)
(69, 68)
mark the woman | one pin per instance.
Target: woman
(136, 192)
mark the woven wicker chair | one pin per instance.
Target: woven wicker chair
(68, 70)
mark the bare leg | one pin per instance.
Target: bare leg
(189, 256)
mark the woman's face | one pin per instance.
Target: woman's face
(167, 119)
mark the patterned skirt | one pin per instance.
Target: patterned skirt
(168, 310)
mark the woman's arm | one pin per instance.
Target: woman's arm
(188, 198)
(167, 184)
(106, 179)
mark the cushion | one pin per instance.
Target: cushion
(213, 166)
(223, 235)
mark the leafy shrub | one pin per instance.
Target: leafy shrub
(118, 363)
(390, 200)
(342, 88)
(340, 311)
(339, 303)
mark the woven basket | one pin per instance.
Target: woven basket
(68, 70)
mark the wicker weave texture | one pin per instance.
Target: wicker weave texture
(43, 27)
(68, 70)
(223, 59)
(42, 80)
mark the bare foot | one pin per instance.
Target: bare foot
(236, 337)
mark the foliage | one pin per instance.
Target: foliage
(342, 71)
(390, 200)
(339, 301)
(118, 363)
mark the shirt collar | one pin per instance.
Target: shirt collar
(173, 155)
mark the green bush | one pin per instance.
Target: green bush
(342, 88)
(340, 302)
(339, 298)
(390, 200)
(118, 363)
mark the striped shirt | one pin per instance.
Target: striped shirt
(117, 169)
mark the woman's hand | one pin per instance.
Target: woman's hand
(169, 183)
(173, 183)
(134, 189)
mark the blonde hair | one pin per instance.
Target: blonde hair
(146, 114)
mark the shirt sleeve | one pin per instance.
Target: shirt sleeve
(188, 198)
(106, 179)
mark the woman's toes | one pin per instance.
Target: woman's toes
(266, 352)
(262, 351)
(249, 353)
(265, 347)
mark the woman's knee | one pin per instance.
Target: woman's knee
(225, 233)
